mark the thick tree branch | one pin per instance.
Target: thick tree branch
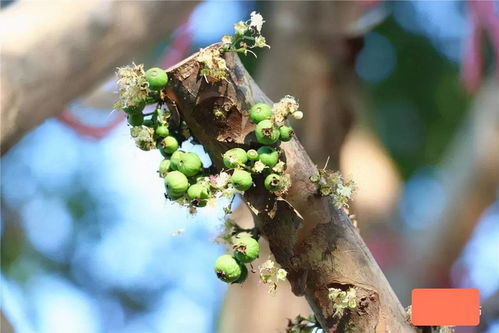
(53, 52)
(315, 242)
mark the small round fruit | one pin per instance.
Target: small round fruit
(135, 119)
(285, 133)
(268, 156)
(157, 78)
(227, 268)
(252, 155)
(198, 191)
(164, 167)
(273, 182)
(244, 274)
(234, 157)
(176, 184)
(241, 180)
(169, 144)
(162, 131)
(266, 133)
(136, 108)
(246, 249)
(175, 159)
(189, 164)
(259, 112)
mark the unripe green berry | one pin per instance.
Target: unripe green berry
(169, 144)
(246, 249)
(164, 167)
(198, 191)
(259, 112)
(268, 156)
(241, 180)
(252, 155)
(175, 159)
(176, 184)
(162, 131)
(266, 133)
(227, 268)
(273, 182)
(135, 119)
(234, 157)
(285, 133)
(136, 108)
(189, 164)
(244, 274)
(157, 78)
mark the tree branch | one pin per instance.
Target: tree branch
(315, 242)
(52, 52)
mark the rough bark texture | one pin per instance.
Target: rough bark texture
(315, 242)
(53, 52)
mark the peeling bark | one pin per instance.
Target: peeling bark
(310, 238)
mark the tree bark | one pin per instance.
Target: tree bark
(53, 52)
(310, 238)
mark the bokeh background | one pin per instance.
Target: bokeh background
(403, 97)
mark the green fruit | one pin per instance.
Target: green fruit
(176, 184)
(189, 164)
(285, 133)
(273, 182)
(169, 144)
(241, 180)
(162, 131)
(268, 156)
(198, 191)
(266, 133)
(234, 157)
(136, 108)
(135, 119)
(244, 274)
(164, 167)
(157, 78)
(246, 249)
(175, 159)
(252, 155)
(259, 112)
(227, 268)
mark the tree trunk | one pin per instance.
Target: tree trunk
(310, 238)
(53, 52)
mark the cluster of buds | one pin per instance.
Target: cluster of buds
(247, 36)
(332, 184)
(342, 300)
(271, 274)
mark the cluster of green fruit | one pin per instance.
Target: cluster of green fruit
(157, 80)
(265, 158)
(232, 268)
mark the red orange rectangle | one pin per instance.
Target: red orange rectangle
(445, 307)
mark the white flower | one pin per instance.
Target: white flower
(343, 190)
(258, 167)
(240, 28)
(281, 274)
(226, 39)
(256, 21)
(261, 42)
(279, 167)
